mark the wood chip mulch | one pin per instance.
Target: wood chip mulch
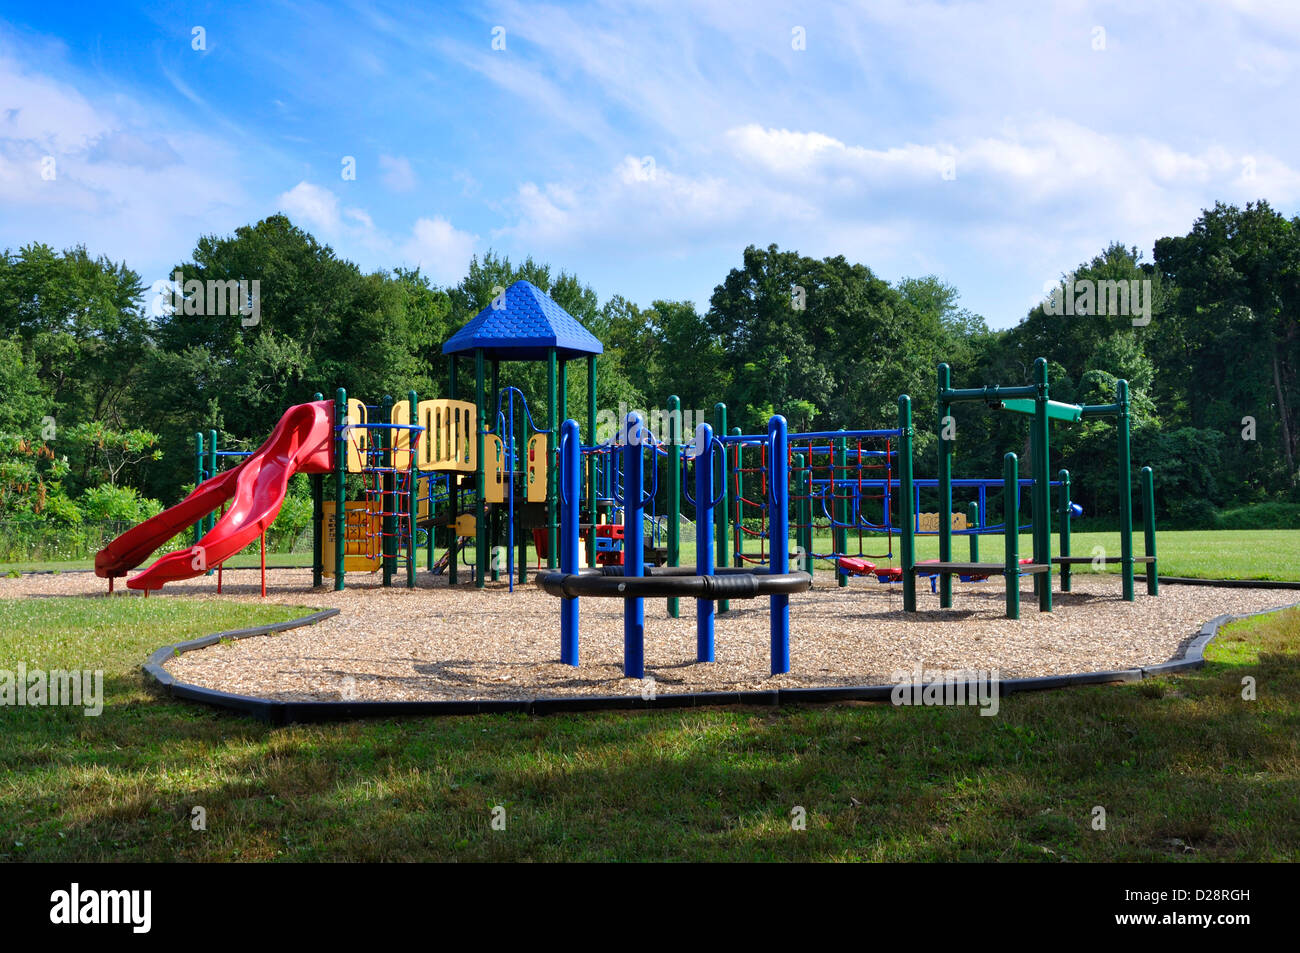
(435, 642)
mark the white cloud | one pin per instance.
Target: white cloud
(397, 173)
(439, 250)
(313, 205)
(126, 182)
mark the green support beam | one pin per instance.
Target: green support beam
(387, 485)
(453, 489)
(992, 395)
(1011, 522)
(906, 512)
(945, 482)
(1064, 478)
(340, 484)
(1149, 530)
(494, 521)
(1055, 409)
(412, 486)
(317, 515)
(200, 525)
(1125, 489)
(972, 524)
(480, 471)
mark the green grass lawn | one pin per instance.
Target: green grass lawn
(1184, 767)
(1208, 554)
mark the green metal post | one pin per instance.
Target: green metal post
(972, 527)
(453, 491)
(1064, 477)
(1042, 488)
(212, 471)
(674, 492)
(738, 516)
(553, 459)
(721, 478)
(1125, 489)
(592, 514)
(1011, 520)
(317, 514)
(201, 523)
(412, 486)
(495, 519)
(945, 486)
(1149, 529)
(340, 484)
(480, 473)
(906, 511)
(387, 485)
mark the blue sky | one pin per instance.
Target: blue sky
(643, 145)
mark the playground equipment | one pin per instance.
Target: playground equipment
(255, 489)
(521, 324)
(422, 465)
(484, 470)
(633, 582)
(1033, 399)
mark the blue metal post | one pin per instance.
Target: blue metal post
(703, 538)
(778, 521)
(633, 547)
(570, 496)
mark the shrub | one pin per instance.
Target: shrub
(108, 503)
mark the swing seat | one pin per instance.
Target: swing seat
(854, 566)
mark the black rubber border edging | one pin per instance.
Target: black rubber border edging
(288, 712)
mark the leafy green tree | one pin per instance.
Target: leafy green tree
(106, 453)
(1231, 349)
(320, 323)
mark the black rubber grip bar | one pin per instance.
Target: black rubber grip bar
(736, 585)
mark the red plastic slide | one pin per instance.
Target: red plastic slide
(302, 442)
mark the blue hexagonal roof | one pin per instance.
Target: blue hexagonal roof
(525, 327)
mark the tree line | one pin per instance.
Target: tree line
(102, 389)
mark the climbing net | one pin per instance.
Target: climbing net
(389, 479)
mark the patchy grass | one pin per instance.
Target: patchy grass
(1184, 768)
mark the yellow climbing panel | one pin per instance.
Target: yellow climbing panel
(536, 469)
(360, 531)
(449, 435)
(401, 414)
(494, 469)
(358, 438)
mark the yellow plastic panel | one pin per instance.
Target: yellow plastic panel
(358, 438)
(536, 469)
(449, 436)
(494, 470)
(360, 532)
(401, 444)
(422, 514)
(929, 522)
